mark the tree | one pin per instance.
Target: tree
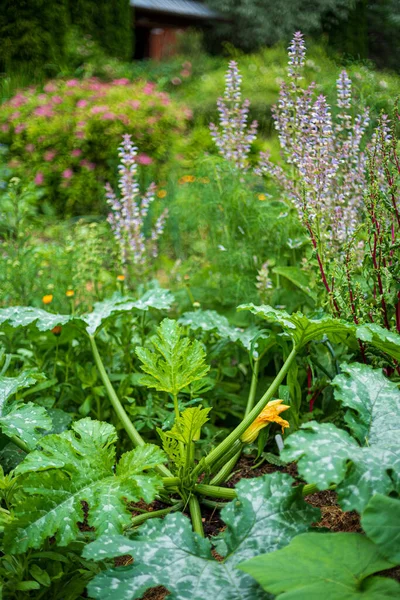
(255, 23)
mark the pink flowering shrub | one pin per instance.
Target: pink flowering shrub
(65, 137)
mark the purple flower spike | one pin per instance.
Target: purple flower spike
(129, 211)
(234, 136)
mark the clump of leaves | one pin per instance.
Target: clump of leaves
(176, 361)
(364, 463)
(337, 566)
(267, 514)
(74, 467)
(26, 421)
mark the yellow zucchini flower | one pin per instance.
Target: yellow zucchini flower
(270, 414)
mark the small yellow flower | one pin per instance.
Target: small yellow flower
(70, 293)
(270, 414)
(187, 179)
(161, 193)
(205, 180)
(262, 197)
(121, 277)
(47, 299)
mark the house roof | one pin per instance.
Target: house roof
(183, 8)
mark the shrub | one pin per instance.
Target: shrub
(109, 23)
(32, 33)
(65, 137)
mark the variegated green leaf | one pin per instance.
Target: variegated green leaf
(17, 316)
(363, 465)
(210, 320)
(300, 328)
(157, 298)
(381, 338)
(27, 421)
(21, 316)
(74, 467)
(267, 514)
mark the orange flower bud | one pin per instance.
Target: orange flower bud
(47, 299)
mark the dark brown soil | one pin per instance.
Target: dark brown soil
(83, 525)
(245, 470)
(332, 516)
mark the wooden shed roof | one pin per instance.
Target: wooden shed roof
(182, 8)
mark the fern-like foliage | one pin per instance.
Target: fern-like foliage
(74, 468)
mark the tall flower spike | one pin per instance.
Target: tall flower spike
(129, 211)
(297, 56)
(327, 165)
(233, 137)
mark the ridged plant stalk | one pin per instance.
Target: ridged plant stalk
(130, 429)
(222, 448)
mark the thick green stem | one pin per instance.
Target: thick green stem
(311, 488)
(215, 491)
(155, 513)
(20, 443)
(212, 503)
(224, 446)
(195, 515)
(230, 493)
(171, 481)
(130, 429)
(253, 387)
(226, 470)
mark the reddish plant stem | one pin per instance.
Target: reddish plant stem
(376, 263)
(322, 270)
(353, 304)
(313, 399)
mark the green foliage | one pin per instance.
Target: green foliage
(300, 328)
(72, 468)
(33, 33)
(175, 363)
(265, 517)
(324, 565)
(157, 298)
(367, 463)
(27, 421)
(224, 228)
(381, 522)
(109, 23)
(251, 24)
(210, 320)
(186, 429)
(21, 316)
(65, 136)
